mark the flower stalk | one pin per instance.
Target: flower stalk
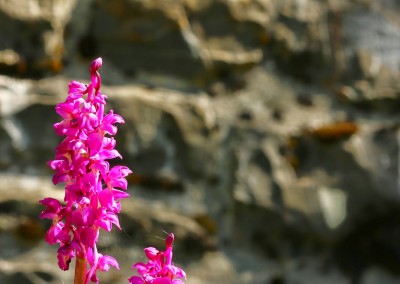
(80, 270)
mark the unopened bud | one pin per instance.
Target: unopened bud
(169, 240)
(96, 64)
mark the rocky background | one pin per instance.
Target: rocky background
(263, 133)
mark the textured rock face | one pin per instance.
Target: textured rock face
(264, 134)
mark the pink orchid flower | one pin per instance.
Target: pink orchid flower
(159, 269)
(93, 190)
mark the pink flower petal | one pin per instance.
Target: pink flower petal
(89, 236)
(106, 261)
(151, 253)
(135, 280)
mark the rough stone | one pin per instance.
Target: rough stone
(375, 275)
(264, 134)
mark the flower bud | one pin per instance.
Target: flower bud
(169, 241)
(96, 64)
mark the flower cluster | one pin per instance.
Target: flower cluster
(159, 269)
(92, 188)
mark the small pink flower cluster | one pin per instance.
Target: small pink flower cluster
(159, 269)
(92, 188)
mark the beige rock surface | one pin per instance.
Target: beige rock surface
(264, 134)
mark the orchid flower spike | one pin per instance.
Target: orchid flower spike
(93, 189)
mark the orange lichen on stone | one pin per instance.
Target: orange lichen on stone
(289, 152)
(56, 65)
(335, 131)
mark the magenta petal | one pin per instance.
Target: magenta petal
(112, 118)
(140, 267)
(89, 236)
(110, 129)
(76, 218)
(53, 208)
(105, 262)
(75, 87)
(106, 219)
(94, 278)
(118, 194)
(135, 280)
(109, 143)
(63, 236)
(51, 203)
(78, 147)
(100, 165)
(71, 193)
(105, 224)
(63, 261)
(106, 198)
(91, 256)
(89, 215)
(114, 219)
(52, 233)
(60, 177)
(164, 280)
(116, 207)
(55, 164)
(116, 177)
(109, 154)
(65, 254)
(46, 214)
(151, 253)
(121, 183)
(178, 272)
(94, 142)
(93, 119)
(65, 110)
(59, 165)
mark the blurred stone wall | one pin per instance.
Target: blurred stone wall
(264, 134)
